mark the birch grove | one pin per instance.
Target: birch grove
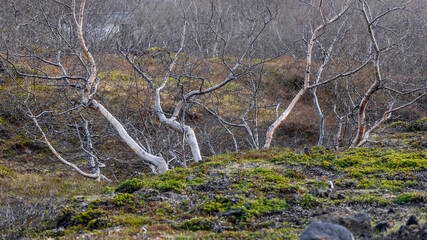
(161, 84)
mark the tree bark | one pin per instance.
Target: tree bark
(310, 45)
(159, 162)
(273, 127)
(319, 112)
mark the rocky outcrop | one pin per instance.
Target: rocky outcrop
(318, 230)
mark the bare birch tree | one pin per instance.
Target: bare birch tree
(255, 25)
(372, 20)
(87, 85)
(308, 70)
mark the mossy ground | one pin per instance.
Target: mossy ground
(250, 195)
(257, 194)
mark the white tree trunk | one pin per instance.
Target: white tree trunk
(310, 45)
(320, 115)
(272, 129)
(192, 142)
(159, 162)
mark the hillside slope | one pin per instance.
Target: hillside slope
(258, 194)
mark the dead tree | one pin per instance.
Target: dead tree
(379, 82)
(308, 72)
(235, 71)
(85, 84)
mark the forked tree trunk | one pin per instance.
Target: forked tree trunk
(361, 117)
(273, 127)
(90, 89)
(188, 132)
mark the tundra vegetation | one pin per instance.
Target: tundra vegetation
(208, 118)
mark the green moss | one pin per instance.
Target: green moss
(348, 161)
(154, 49)
(218, 204)
(290, 157)
(130, 185)
(108, 190)
(99, 223)
(383, 184)
(316, 184)
(307, 201)
(171, 184)
(418, 125)
(197, 223)
(91, 219)
(6, 171)
(369, 198)
(164, 209)
(255, 207)
(408, 198)
(93, 204)
(294, 174)
(124, 199)
(265, 180)
(242, 186)
(398, 124)
(173, 180)
(132, 220)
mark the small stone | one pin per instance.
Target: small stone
(233, 212)
(320, 192)
(189, 178)
(424, 232)
(270, 196)
(325, 231)
(340, 197)
(27, 151)
(58, 231)
(390, 211)
(412, 221)
(409, 232)
(382, 226)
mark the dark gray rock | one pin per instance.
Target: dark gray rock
(407, 232)
(412, 221)
(424, 232)
(382, 227)
(233, 212)
(359, 224)
(325, 231)
(411, 232)
(320, 192)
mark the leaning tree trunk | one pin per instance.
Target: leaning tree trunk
(159, 162)
(90, 89)
(273, 127)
